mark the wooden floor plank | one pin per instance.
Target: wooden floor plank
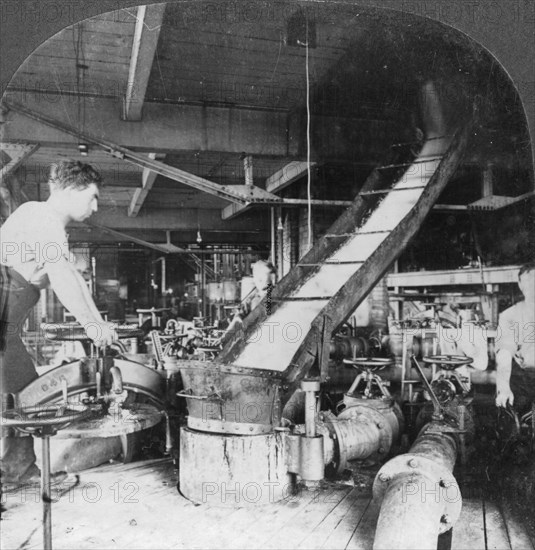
(518, 535)
(469, 531)
(342, 533)
(273, 520)
(497, 538)
(139, 507)
(235, 531)
(294, 531)
(364, 534)
(323, 530)
(310, 519)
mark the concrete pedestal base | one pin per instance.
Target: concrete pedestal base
(76, 455)
(233, 470)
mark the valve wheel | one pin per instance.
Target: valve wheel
(451, 361)
(373, 362)
(51, 416)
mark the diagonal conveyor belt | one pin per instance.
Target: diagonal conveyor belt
(345, 264)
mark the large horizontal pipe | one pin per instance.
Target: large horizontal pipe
(363, 428)
(419, 496)
(340, 376)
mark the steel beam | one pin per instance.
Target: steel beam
(166, 128)
(232, 210)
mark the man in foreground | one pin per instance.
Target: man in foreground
(34, 254)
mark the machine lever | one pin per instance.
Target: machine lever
(157, 345)
(437, 413)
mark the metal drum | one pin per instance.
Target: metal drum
(230, 400)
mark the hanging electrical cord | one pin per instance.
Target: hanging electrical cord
(309, 203)
(306, 44)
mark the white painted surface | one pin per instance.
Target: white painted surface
(278, 338)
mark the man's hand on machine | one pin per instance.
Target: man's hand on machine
(504, 395)
(102, 333)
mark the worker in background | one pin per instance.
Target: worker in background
(264, 276)
(35, 255)
(515, 347)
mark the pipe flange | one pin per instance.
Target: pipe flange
(372, 415)
(441, 479)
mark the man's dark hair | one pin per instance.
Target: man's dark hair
(526, 268)
(73, 173)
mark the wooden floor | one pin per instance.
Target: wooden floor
(138, 506)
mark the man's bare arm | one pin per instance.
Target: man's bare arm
(504, 394)
(73, 293)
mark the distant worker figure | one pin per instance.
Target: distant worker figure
(35, 255)
(515, 347)
(264, 276)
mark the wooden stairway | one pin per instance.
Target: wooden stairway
(330, 281)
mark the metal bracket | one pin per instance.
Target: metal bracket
(323, 348)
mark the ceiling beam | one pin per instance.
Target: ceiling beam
(178, 219)
(165, 248)
(165, 128)
(148, 24)
(148, 178)
(126, 237)
(286, 176)
(242, 194)
(180, 238)
(17, 153)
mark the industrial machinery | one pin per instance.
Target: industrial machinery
(407, 518)
(239, 446)
(236, 447)
(123, 396)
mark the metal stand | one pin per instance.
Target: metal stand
(44, 422)
(442, 391)
(367, 367)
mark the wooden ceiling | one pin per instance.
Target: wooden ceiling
(209, 83)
